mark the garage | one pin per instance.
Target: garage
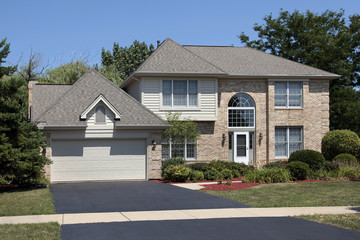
(98, 159)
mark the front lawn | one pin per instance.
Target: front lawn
(349, 221)
(306, 194)
(15, 202)
(41, 231)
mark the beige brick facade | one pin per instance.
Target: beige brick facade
(313, 117)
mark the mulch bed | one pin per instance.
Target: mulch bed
(205, 181)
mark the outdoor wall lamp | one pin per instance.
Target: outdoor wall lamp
(260, 136)
(154, 143)
(223, 136)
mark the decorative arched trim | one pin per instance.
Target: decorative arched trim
(106, 103)
(241, 100)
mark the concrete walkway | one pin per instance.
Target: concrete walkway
(197, 186)
(107, 217)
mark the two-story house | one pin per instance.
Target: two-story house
(250, 107)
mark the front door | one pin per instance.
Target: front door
(241, 147)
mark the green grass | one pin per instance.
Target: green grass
(41, 231)
(16, 202)
(349, 221)
(297, 194)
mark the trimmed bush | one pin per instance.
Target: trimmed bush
(322, 174)
(172, 161)
(340, 141)
(331, 166)
(267, 175)
(211, 174)
(177, 173)
(199, 166)
(235, 173)
(298, 170)
(351, 173)
(196, 175)
(314, 159)
(277, 164)
(226, 174)
(346, 159)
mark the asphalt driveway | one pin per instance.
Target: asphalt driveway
(91, 197)
(278, 228)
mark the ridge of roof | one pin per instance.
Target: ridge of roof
(109, 82)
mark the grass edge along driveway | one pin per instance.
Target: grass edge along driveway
(350, 221)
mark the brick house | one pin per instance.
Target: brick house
(250, 107)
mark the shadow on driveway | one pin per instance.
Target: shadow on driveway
(90, 197)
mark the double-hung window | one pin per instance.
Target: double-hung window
(180, 93)
(171, 150)
(287, 141)
(288, 94)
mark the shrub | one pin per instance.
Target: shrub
(235, 173)
(228, 183)
(346, 159)
(314, 159)
(340, 141)
(219, 165)
(226, 174)
(211, 174)
(199, 166)
(196, 175)
(177, 173)
(331, 166)
(277, 164)
(298, 170)
(172, 161)
(267, 175)
(322, 174)
(240, 167)
(352, 173)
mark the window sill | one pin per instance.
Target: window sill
(189, 109)
(289, 108)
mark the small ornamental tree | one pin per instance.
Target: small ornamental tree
(181, 132)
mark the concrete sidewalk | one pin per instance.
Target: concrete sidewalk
(197, 186)
(107, 217)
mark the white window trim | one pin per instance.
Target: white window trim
(288, 139)
(241, 108)
(288, 95)
(185, 151)
(184, 107)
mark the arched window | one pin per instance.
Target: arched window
(100, 115)
(241, 109)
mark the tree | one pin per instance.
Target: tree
(327, 41)
(20, 161)
(4, 52)
(66, 73)
(180, 133)
(126, 59)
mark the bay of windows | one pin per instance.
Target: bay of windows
(288, 94)
(180, 93)
(288, 140)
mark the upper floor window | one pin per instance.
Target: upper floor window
(100, 116)
(241, 109)
(288, 94)
(180, 93)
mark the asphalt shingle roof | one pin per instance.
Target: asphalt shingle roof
(172, 57)
(68, 102)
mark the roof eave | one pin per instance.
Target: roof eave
(152, 127)
(287, 76)
(60, 127)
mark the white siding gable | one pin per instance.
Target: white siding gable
(96, 130)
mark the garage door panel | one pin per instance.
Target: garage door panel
(99, 160)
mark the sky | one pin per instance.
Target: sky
(61, 31)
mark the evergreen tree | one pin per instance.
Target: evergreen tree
(4, 52)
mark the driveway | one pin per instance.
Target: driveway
(278, 228)
(90, 197)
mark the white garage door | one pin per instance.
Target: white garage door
(80, 160)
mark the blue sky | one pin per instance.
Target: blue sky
(63, 30)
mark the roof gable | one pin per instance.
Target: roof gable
(172, 57)
(80, 97)
(102, 99)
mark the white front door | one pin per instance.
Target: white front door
(241, 147)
